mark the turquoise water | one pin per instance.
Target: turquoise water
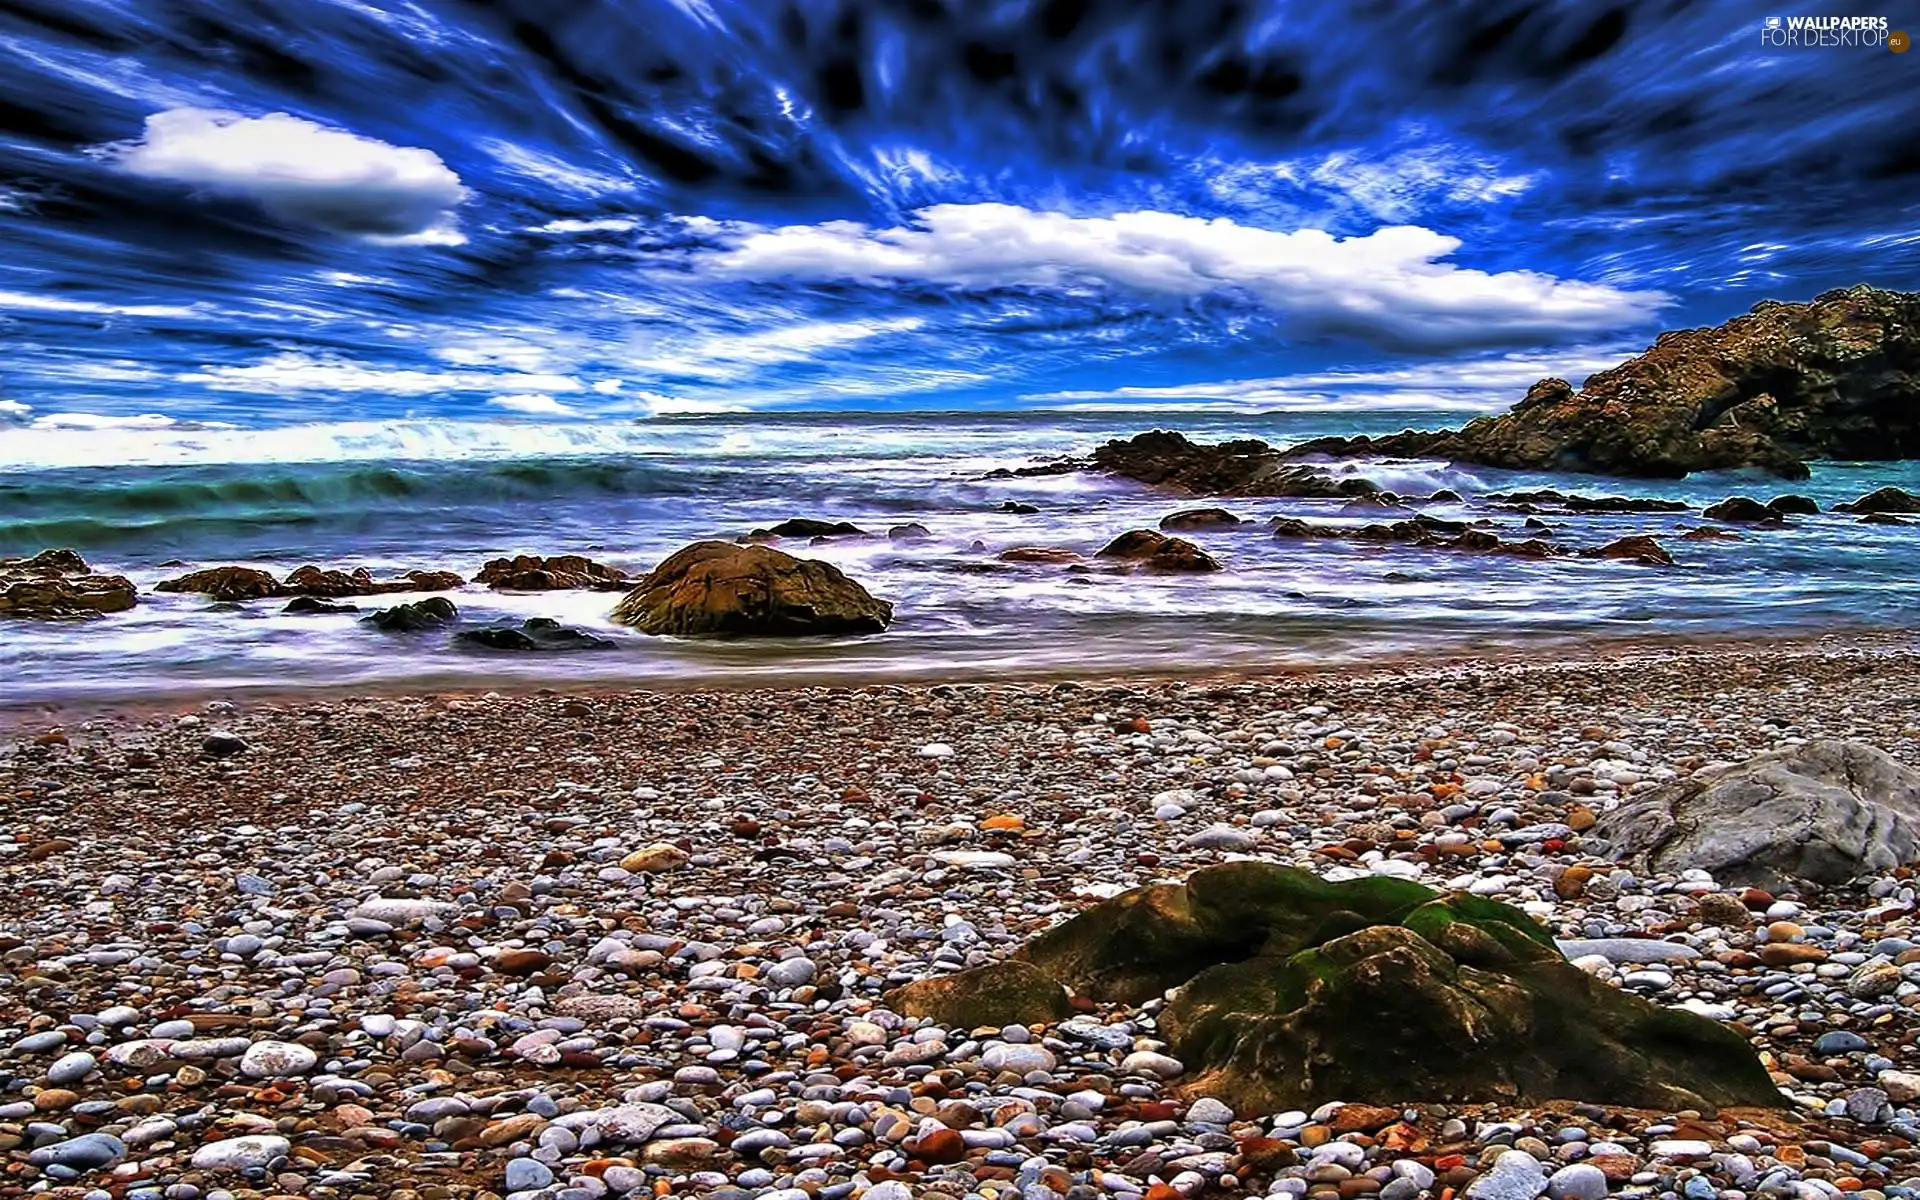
(442, 494)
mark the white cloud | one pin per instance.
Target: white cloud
(597, 225)
(534, 404)
(293, 371)
(1471, 385)
(733, 356)
(27, 302)
(13, 412)
(304, 173)
(67, 420)
(1391, 284)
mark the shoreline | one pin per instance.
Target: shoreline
(1546, 653)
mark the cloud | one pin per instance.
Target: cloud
(13, 412)
(304, 173)
(73, 420)
(733, 356)
(1390, 286)
(534, 404)
(1468, 385)
(27, 302)
(294, 371)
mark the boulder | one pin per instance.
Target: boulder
(1835, 378)
(1247, 467)
(1198, 518)
(731, 590)
(995, 994)
(310, 606)
(808, 527)
(1823, 813)
(1743, 510)
(1793, 505)
(1636, 547)
(418, 617)
(1155, 551)
(535, 634)
(912, 531)
(1019, 508)
(1293, 990)
(531, 573)
(58, 584)
(1045, 555)
(1886, 500)
(225, 584)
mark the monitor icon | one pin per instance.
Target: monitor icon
(1773, 22)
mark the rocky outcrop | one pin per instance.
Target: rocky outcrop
(1425, 532)
(1248, 467)
(1886, 500)
(1835, 378)
(1039, 555)
(1743, 510)
(1824, 813)
(531, 573)
(1151, 550)
(1293, 990)
(1636, 547)
(422, 615)
(58, 584)
(809, 527)
(234, 584)
(534, 635)
(720, 588)
(1199, 518)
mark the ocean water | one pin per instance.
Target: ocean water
(446, 494)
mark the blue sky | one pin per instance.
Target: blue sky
(262, 212)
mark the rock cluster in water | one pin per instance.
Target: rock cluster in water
(233, 583)
(60, 584)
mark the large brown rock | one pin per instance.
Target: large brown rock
(1247, 467)
(56, 584)
(1835, 378)
(1293, 990)
(720, 588)
(224, 583)
(1155, 551)
(233, 584)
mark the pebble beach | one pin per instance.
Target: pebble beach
(571, 945)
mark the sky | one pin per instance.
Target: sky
(257, 213)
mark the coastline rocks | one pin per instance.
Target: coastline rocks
(1155, 551)
(1743, 510)
(1794, 505)
(912, 531)
(535, 634)
(531, 573)
(1422, 531)
(1835, 378)
(307, 606)
(1199, 518)
(1886, 500)
(233, 584)
(1044, 555)
(1823, 813)
(1248, 467)
(719, 588)
(1634, 548)
(56, 584)
(421, 615)
(1294, 990)
(808, 527)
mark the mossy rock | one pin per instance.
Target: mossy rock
(1002, 993)
(1294, 990)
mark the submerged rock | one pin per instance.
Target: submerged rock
(1294, 990)
(1634, 548)
(531, 573)
(1154, 551)
(1826, 813)
(57, 584)
(1199, 518)
(1835, 378)
(1743, 510)
(732, 590)
(301, 606)
(808, 527)
(422, 615)
(533, 635)
(1046, 555)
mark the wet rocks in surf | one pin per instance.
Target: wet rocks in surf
(57, 584)
(1835, 378)
(434, 612)
(1743, 510)
(1530, 500)
(534, 635)
(1151, 550)
(1198, 518)
(1247, 467)
(311, 606)
(1886, 500)
(1634, 548)
(229, 584)
(1039, 555)
(531, 573)
(912, 531)
(809, 527)
(724, 589)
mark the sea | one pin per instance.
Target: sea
(432, 494)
